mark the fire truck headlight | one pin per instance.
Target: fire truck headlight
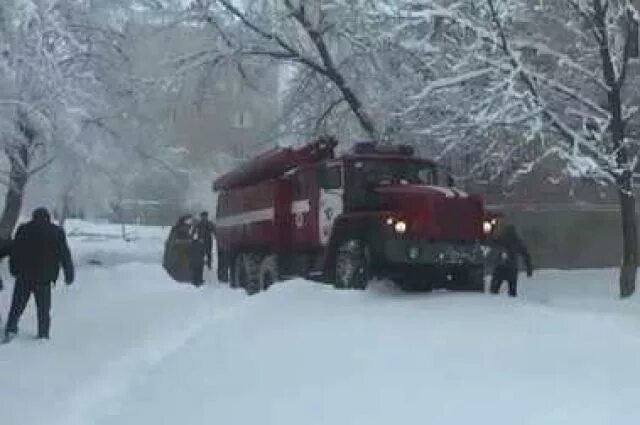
(487, 226)
(400, 227)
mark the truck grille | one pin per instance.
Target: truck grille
(458, 219)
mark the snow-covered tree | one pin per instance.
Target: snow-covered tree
(64, 85)
(48, 90)
(304, 36)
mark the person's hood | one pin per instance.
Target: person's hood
(41, 216)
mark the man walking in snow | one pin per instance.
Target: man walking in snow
(203, 233)
(506, 249)
(38, 251)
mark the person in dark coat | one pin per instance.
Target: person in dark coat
(39, 250)
(506, 249)
(177, 250)
(203, 232)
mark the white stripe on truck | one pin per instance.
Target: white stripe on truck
(301, 207)
(250, 217)
(257, 216)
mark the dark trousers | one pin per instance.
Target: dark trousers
(197, 271)
(208, 249)
(196, 262)
(500, 274)
(21, 293)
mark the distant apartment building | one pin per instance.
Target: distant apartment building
(206, 105)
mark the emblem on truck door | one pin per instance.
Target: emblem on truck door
(299, 220)
(328, 213)
(330, 207)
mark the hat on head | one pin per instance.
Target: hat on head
(41, 215)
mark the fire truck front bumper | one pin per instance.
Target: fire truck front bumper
(409, 252)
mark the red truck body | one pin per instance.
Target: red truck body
(377, 211)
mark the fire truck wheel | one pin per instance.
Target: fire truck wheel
(468, 279)
(352, 265)
(252, 270)
(239, 273)
(413, 283)
(223, 268)
(268, 274)
(475, 279)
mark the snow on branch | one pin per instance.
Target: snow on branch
(446, 82)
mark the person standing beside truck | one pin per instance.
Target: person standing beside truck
(506, 249)
(203, 232)
(176, 258)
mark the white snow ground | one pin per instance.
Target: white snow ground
(130, 346)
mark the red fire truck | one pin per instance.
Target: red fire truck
(378, 211)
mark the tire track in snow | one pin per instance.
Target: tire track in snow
(106, 393)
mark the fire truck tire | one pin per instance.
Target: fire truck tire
(238, 273)
(268, 274)
(413, 283)
(223, 268)
(252, 270)
(475, 279)
(468, 279)
(352, 265)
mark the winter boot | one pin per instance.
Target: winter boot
(8, 337)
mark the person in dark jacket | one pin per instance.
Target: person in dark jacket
(506, 249)
(177, 250)
(203, 232)
(38, 251)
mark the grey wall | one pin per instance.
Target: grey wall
(570, 239)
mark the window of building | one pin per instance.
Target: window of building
(243, 119)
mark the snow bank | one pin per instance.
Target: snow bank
(304, 353)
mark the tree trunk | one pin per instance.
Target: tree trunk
(64, 213)
(123, 227)
(615, 81)
(18, 178)
(629, 237)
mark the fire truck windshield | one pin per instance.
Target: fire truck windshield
(364, 175)
(378, 172)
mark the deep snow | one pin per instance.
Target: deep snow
(130, 346)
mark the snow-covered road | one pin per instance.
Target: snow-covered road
(129, 346)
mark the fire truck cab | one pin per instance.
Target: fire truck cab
(378, 211)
